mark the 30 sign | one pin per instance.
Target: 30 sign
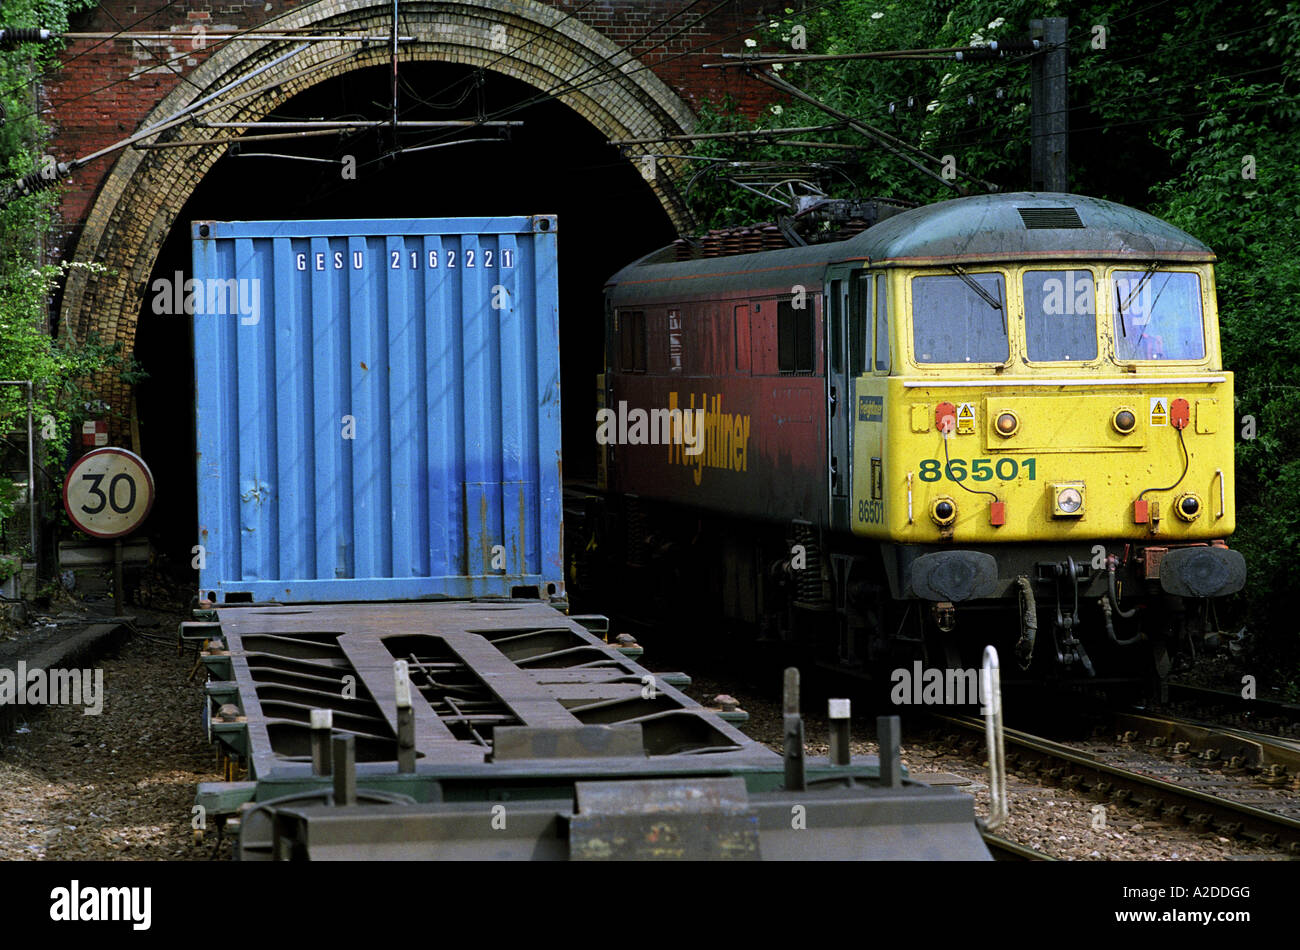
(108, 492)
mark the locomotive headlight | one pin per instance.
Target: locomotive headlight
(1007, 424)
(943, 511)
(1124, 420)
(1188, 506)
(1067, 499)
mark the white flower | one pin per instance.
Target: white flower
(947, 79)
(976, 39)
(997, 23)
(777, 110)
(932, 106)
(877, 15)
(778, 66)
(1220, 46)
(751, 43)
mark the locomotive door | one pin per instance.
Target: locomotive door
(839, 400)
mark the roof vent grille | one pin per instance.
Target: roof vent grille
(1036, 218)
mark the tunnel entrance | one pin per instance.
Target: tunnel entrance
(554, 163)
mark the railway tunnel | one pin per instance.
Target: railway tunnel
(553, 79)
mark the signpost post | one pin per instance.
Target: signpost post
(107, 494)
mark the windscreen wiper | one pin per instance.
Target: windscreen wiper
(1123, 325)
(971, 283)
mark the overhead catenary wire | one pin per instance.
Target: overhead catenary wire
(151, 51)
(748, 58)
(357, 124)
(251, 35)
(555, 92)
(64, 63)
(567, 84)
(276, 136)
(504, 55)
(896, 146)
(992, 49)
(214, 41)
(37, 181)
(739, 133)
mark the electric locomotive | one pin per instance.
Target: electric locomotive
(1001, 418)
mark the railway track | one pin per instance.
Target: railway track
(1004, 849)
(1274, 761)
(1168, 791)
(1276, 715)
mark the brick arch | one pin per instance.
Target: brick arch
(141, 197)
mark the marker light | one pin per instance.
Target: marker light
(1124, 420)
(943, 511)
(1067, 500)
(1188, 507)
(1007, 424)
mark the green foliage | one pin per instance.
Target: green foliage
(8, 495)
(1162, 118)
(1252, 224)
(10, 566)
(61, 367)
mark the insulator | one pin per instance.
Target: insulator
(12, 36)
(33, 182)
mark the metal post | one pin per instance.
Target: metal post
(405, 718)
(345, 769)
(991, 696)
(837, 712)
(888, 734)
(31, 474)
(1049, 116)
(395, 136)
(795, 780)
(119, 588)
(322, 722)
(31, 458)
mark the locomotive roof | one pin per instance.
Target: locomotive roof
(981, 228)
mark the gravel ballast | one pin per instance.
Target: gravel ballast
(119, 785)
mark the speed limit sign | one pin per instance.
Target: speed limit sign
(108, 492)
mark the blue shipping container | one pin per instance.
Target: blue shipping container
(378, 409)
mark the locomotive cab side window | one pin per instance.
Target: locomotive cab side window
(882, 326)
(859, 323)
(632, 341)
(959, 318)
(1060, 315)
(794, 338)
(835, 309)
(1157, 315)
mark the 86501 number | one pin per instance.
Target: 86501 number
(977, 470)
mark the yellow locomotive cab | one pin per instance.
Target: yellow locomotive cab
(1034, 450)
